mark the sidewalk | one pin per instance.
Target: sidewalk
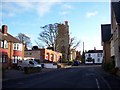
(15, 74)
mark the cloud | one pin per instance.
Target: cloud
(66, 6)
(20, 6)
(14, 8)
(91, 14)
(44, 8)
(66, 9)
(26, 5)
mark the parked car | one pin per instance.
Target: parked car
(76, 63)
(27, 63)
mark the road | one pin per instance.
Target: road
(90, 76)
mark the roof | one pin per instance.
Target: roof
(9, 38)
(105, 32)
(116, 8)
(95, 51)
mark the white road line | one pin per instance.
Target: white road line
(109, 87)
(106, 83)
(97, 83)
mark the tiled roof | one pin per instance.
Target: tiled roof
(95, 51)
(116, 8)
(105, 32)
(9, 38)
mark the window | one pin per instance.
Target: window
(98, 55)
(30, 53)
(14, 46)
(1, 44)
(89, 59)
(89, 55)
(5, 44)
(4, 58)
(31, 62)
(98, 60)
(17, 46)
(15, 59)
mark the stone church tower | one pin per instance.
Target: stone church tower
(62, 41)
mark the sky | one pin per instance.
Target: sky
(84, 18)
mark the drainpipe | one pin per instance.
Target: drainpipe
(10, 64)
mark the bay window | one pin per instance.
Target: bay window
(4, 58)
(16, 58)
(3, 44)
(17, 46)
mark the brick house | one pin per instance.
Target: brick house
(105, 39)
(50, 55)
(11, 49)
(32, 54)
(43, 54)
(115, 31)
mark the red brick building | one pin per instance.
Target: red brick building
(43, 55)
(11, 49)
(50, 55)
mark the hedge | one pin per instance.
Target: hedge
(28, 70)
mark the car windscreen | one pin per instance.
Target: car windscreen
(35, 62)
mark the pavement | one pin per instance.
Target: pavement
(16, 74)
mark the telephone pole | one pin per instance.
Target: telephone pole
(83, 55)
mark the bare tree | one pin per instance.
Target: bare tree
(25, 39)
(73, 43)
(48, 36)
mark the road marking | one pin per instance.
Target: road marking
(109, 87)
(97, 83)
(106, 83)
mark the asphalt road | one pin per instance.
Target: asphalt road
(90, 76)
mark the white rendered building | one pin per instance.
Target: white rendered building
(94, 57)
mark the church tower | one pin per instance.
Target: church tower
(62, 41)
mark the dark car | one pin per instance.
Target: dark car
(75, 63)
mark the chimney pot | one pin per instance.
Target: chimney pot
(66, 22)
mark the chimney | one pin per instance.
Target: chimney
(4, 29)
(66, 22)
(94, 49)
